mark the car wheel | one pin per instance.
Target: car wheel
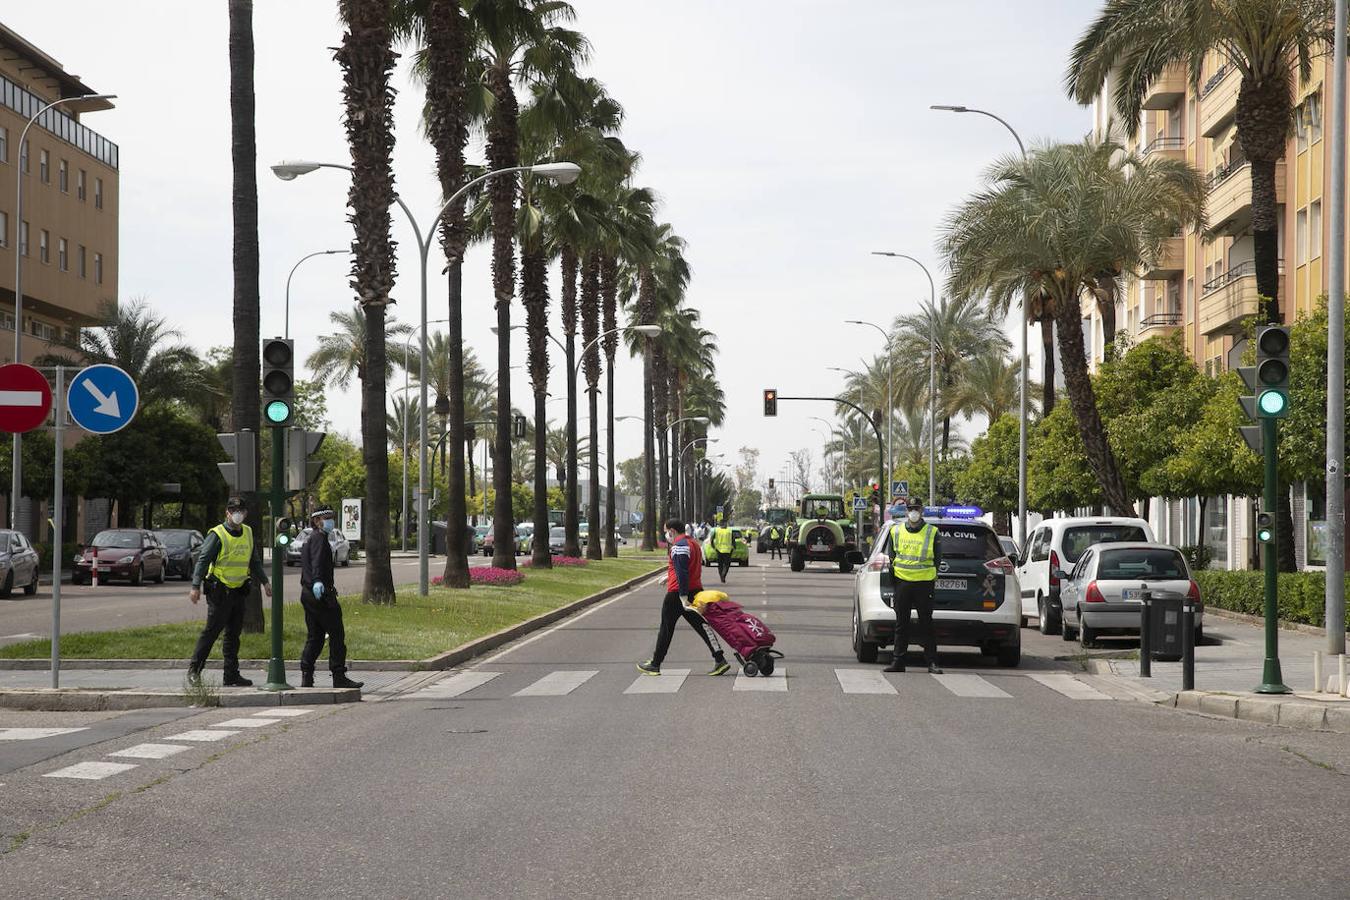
(845, 567)
(865, 651)
(347, 561)
(1065, 632)
(1010, 657)
(159, 577)
(31, 588)
(7, 588)
(1048, 623)
(797, 559)
(1086, 636)
(139, 576)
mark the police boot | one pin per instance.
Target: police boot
(340, 680)
(897, 663)
(307, 678)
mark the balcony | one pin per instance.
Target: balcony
(1167, 147)
(1230, 197)
(1159, 324)
(1228, 299)
(1170, 262)
(1218, 100)
(1167, 89)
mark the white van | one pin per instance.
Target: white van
(1056, 544)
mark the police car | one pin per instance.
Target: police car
(976, 602)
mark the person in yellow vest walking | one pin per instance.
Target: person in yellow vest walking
(228, 563)
(916, 552)
(775, 542)
(724, 542)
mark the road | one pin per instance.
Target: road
(119, 605)
(538, 772)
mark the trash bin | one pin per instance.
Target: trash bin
(1165, 631)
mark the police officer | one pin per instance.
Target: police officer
(915, 553)
(775, 542)
(319, 599)
(227, 565)
(724, 542)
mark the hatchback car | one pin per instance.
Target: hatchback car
(1102, 594)
(976, 600)
(19, 564)
(480, 534)
(131, 553)
(557, 539)
(740, 550)
(1056, 544)
(183, 546)
(341, 547)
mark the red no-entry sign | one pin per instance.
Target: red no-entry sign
(25, 398)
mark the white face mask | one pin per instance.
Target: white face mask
(914, 516)
(236, 518)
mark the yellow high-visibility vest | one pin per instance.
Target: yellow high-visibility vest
(230, 566)
(723, 540)
(914, 558)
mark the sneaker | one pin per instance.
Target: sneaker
(237, 681)
(720, 668)
(934, 669)
(194, 676)
(649, 668)
(340, 680)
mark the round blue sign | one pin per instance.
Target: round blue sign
(102, 399)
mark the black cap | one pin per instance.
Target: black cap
(914, 503)
(323, 512)
(235, 503)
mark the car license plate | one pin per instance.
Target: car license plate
(820, 548)
(951, 584)
(1132, 593)
(104, 569)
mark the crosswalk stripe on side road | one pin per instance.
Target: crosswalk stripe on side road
(448, 688)
(557, 684)
(775, 683)
(1069, 686)
(668, 682)
(91, 771)
(967, 685)
(863, 681)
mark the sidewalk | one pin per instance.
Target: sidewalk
(1227, 672)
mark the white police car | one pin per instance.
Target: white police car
(976, 602)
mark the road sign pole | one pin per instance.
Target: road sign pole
(1272, 682)
(58, 507)
(276, 666)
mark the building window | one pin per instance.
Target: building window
(63, 176)
(23, 157)
(1190, 299)
(98, 268)
(6, 320)
(98, 193)
(4, 229)
(1314, 107)
(45, 166)
(1315, 229)
(23, 238)
(4, 144)
(1216, 531)
(80, 257)
(44, 246)
(1301, 237)
(79, 185)
(63, 254)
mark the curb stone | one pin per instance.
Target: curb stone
(76, 700)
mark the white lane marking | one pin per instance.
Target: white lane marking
(20, 398)
(776, 682)
(969, 686)
(246, 723)
(91, 771)
(558, 684)
(453, 686)
(668, 682)
(26, 634)
(34, 734)
(863, 681)
(283, 713)
(1070, 687)
(203, 735)
(150, 751)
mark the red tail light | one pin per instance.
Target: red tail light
(878, 563)
(1000, 566)
(1093, 595)
(1193, 592)
(1054, 564)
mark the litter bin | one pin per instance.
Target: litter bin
(1165, 631)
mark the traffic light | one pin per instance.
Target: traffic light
(278, 381)
(1272, 371)
(242, 474)
(1265, 527)
(770, 484)
(301, 471)
(284, 531)
(770, 402)
(518, 427)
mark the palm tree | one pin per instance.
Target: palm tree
(1134, 41)
(244, 202)
(367, 58)
(403, 419)
(989, 386)
(1052, 222)
(341, 355)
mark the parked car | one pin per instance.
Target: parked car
(183, 546)
(557, 538)
(480, 533)
(1102, 593)
(131, 553)
(1057, 544)
(1009, 546)
(19, 562)
(976, 600)
(342, 549)
(524, 538)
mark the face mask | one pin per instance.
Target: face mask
(236, 518)
(914, 516)
(671, 537)
(329, 525)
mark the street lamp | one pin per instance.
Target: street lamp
(890, 393)
(1022, 392)
(16, 490)
(421, 377)
(932, 372)
(286, 331)
(561, 172)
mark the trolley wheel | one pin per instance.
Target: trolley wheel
(750, 669)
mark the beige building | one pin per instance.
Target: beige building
(1206, 288)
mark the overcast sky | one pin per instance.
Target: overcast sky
(786, 138)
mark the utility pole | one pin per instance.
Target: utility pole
(1335, 597)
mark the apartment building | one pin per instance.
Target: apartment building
(1206, 288)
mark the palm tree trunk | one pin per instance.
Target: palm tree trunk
(1106, 308)
(1083, 400)
(379, 582)
(247, 367)
(534, 293)
(659, 408)
(1047, 365)
(468, 456)
(571, 511)
(609, 288)
(646, 305)
(590, 333)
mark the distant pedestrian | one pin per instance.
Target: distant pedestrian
(319, 599)
(684, 579)
(724, 542)
(916, 552)
(228, 563)
(775, 542)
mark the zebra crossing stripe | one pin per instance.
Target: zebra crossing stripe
(251, 722)
(283, 713)
(969, 686)
(863, 681)
(204, 735)
(150, 751)
(668, 682)
(91, 771)
(1069, 686)
(34, 734)
(777, 682)
(557, 684)
(453, 686)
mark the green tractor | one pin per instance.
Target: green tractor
(824, 534)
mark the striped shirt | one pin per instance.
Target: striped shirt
(684, 571)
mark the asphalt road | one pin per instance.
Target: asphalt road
(580, 788)
(119, 605)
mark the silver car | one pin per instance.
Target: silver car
(18, 564)
(342, 551)
(1102, 593)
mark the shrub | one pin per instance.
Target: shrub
(1198, 556)
(1301, 595)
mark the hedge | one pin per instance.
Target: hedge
(1302, 595)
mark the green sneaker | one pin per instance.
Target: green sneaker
(649, 668)
(720, 668)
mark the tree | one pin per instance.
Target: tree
(990, 387)
(1059, 476)
(342, 354)
(1051, 222)
(990, 481)
(1132, 42)
(367, 58)
(630, 476)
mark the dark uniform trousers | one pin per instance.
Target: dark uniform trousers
(224, 612)
(914, 595)
(323, 617)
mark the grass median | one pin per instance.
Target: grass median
(413, 628)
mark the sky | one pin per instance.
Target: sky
(786, 139)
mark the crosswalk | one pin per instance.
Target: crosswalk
(479, 684)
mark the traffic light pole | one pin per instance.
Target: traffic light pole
(1272, 682)
(276, 666)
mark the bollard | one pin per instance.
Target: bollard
(1188, 646)
(1318, 683)
(1341, 676)
(1145, 638)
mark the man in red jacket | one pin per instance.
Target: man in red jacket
(684, 579)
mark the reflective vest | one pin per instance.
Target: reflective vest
(723, 540)
(913, 557)
(773, 534)
(230, 566)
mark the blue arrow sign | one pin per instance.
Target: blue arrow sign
(102, 399)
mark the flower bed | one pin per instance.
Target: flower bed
(561, 561)
(489, 575)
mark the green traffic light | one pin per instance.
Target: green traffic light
(1264, 536)
(1272, 403)
(283, 540)
(278, 412)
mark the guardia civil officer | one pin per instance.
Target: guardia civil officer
(227, 566)
(916, 551)
(724, 542)
(319, 599)
(775, 542)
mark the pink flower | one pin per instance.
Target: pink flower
(490, 575)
